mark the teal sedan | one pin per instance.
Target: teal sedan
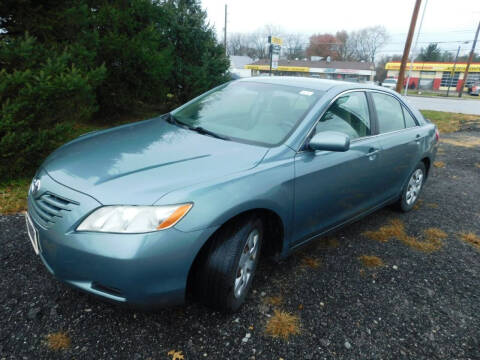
(186, 203)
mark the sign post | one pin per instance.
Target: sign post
(275, 45)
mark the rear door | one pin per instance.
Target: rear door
(399, 137)
(331, 187)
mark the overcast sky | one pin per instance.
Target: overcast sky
(445, 20)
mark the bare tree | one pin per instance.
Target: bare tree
(293, 45)
(367, 42)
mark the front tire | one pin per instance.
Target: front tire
(225, 273)
(411, 191)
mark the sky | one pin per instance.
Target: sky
(447, 22)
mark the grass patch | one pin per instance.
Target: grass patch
(471, 238)
(283, 324)
(464, 141)
(371, 261)
(310, 262)
(273, 300)
(58, 341)
(439, 164)
(329, 242)
(449, 122)
(13, 196)
(394, 230)
(175, 355)
(431, 240)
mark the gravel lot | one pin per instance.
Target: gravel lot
(417, 306)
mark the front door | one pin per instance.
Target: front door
(331, 187)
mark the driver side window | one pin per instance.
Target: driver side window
(349, 115)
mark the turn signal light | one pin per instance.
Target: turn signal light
(175, 217)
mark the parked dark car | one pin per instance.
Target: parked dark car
(190, 200)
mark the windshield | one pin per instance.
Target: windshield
(249, 111)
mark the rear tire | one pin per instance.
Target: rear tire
(412, 188)
(224, 275)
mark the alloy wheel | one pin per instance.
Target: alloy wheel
(414, 185)
(246, 265)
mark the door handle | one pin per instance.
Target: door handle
(372, 152)
(417, 138)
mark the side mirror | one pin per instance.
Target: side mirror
(330, 141)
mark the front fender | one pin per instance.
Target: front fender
(270, 186)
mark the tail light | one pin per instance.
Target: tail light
(437, 135)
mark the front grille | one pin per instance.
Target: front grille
(49, 207)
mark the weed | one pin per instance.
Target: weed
(273, 300)
(471, 238)
(58, 341)
(439, 164)
(432, 239)
(283, 324)
(311, 262)
(371, 261)
(394, 230)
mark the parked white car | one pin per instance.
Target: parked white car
(390, 83)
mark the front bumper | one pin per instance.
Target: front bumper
(142, 269)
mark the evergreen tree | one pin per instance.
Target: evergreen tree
(62, 61)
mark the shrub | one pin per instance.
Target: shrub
(39, 103)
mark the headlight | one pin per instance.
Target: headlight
(134, 219)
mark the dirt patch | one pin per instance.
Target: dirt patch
(283, 324)
(439, 164)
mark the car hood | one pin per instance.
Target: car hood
(139, 163)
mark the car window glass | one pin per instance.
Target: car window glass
(348, 115)
(409, 120)
(389, 113)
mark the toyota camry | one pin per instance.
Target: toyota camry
(187, 202)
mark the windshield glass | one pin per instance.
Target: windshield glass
(249, 111)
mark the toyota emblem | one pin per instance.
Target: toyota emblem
(35, 186)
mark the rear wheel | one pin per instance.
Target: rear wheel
(224, 276)
(412, 189)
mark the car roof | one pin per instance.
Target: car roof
(310, 83)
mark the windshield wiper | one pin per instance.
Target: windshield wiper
(172, 120)
(204, 131)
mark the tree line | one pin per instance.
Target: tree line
(359, 45)
(68, 61)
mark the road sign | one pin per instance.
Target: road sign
(275, 46)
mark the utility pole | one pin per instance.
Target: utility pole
(415, 50)
(470, 58)
(225, 31)
(453, 72)
(408, 43)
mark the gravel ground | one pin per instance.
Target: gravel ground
(417, 306)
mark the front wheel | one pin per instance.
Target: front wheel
(412, 189)
(228, 265)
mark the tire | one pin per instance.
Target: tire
(412, 188)
(218, 280)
